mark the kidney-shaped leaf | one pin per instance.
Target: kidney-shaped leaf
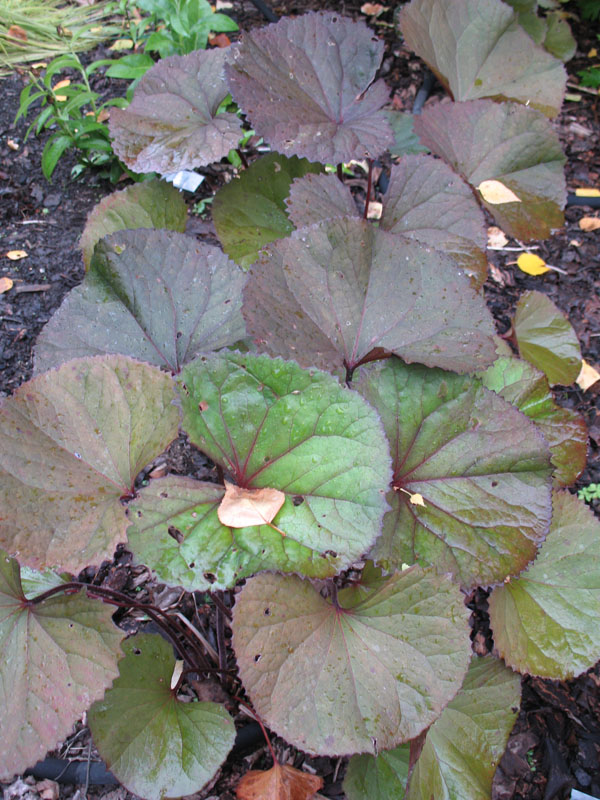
(516, 146)
(478, 49)
(305, 84)
(156, 745)
(269, 423)
(546, 338)
(332, 293)
(527, 388)
(546, 622)
(58, 656)
(158, 296)
(172, 122)
(481, 467)
(334, 680)
(151, 204)
(71, 444)
(317, 197)
(427, 201)
(250, 212)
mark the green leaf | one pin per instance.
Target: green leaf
(355, 289)
(130, 67)
(315, 198)
(559, 39)
(462, 748)
(517, 146)
(152, 204)
(55, 147)
(71, 444)
(268, 423)
(334, 680)
(480, 466)
(159, 296)
(565, 431)
(546, 622)
(58, 656)
(427, 201)
(155, 744)
(546, 338)
(250, 211)
(406, 141)
(478, 49)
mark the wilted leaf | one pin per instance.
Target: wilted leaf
(546, 338)
(478, 49)
(172, 122)
(532, 264)
(151, 204)
(496, 238)
(71, 444)
(156, 745)
(481, 467)
(587, 224)
(337, 680)
(545, 622)
(57, 657)
(241, 508)
(483, 140)
(249, 212)
(588, 376)
(159, 296)
(6, 284)
(281, 782)
(355, 288)
(406, 141)
(315, 198)
(307, 87)
(496, 193)
(16, 255)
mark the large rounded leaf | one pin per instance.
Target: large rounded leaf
(332, 293)
(317, 197)
(480, 468)
(58, 656)
(250, 212)
(156, 745)
(527, 388)
(427, 201)
(151, 204)
(516, 146)
(462, 748)
(546, 338)
(269, 423)
(336, 680)
(546, 622)
(172, 122)
(305, 84)
(71, 444)
(478, 49)
(158, 296)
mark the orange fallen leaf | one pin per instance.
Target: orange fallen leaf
(496, 193)
(588, 376)
(589, 223)
(278, 783)
(219, 40)
(240, 508)
(16, 255)
(17, 32)
(5, 285)
(373, 9)
(12, 144)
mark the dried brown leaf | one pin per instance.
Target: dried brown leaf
(278, 783)
(241, 508)
(589, 223)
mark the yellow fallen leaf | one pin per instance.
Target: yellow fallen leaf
(122, 44)
(417, 499)
(496, 193)
(593, 53)
(61, 85)
(588, 376)
(589, 224)
(5, 285)
(532, 264)
(587, 192)
(241, 508)
(16, 255)
(496, 238)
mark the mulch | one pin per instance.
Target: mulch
(555, 744)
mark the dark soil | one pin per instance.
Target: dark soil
(555, 744)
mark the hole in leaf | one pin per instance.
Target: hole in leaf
(210, 577)
(494, 483)
(192, 564)
(176, 534)
(257, 657)
(297, 500)
(137, 652)
(267, 612)
(178, 335)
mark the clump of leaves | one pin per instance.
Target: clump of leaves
(376, 458)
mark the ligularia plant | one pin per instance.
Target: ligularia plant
(377, 459)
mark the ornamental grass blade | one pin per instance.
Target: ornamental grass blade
(355, 289)
(429, 202)
(565, 431)
(481, 467)
(172, 122)
(546, 622)
(151, 204)
(546, 338)
(334, 680)
(516, 146)
(462, 748)
(306, 85)
(58, 656)
(155, 744)
(268, 423)
(249, 212)
(158, 296)
(315, 198)
(478, 49)
(71, 444)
